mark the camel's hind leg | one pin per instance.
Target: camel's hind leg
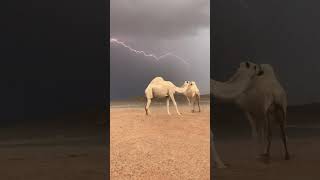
(270, 114)
(284, 140)
(147, 106)
(281, 119)
(168, 103)
(188, 100)
(198, 99)
(174, 103)
(193, 102)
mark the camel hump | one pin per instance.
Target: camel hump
(157, 79)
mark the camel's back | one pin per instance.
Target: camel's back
(158, 87)
(157, 80)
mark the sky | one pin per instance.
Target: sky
(53, 58)
(181, 27)
(285, 34)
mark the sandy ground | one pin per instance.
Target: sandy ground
(52, 162)
(56, 151)
(304, 164)
(235, 147)
(159, 146)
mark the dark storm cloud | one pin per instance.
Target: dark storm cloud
(180, 27)
(281, 33)
(244, 3)
(158, 19)
(52, 58)
(131, 74)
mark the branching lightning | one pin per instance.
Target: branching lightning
(113, 40)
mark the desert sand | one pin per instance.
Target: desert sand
(159, 146)
(69, 148)
(235, 147)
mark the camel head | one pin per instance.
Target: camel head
(186, 83)
(183, 88)
(251, 69)
(189, 83)
(238, 83)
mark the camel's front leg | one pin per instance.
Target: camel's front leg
(168, 108)
(214, 153)
(253, 125)
(175, 104)
(147, 107)
(188, 100)
(269, 135)
(254, 133)
(198, 98)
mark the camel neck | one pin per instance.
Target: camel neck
(180, 89)
(232, 89)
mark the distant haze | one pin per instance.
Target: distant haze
(181, 27)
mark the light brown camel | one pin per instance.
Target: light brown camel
(256, 90)
(160, 88)
(192, 94)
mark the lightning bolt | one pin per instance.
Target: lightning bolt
(113, 40)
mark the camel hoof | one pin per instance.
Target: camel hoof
(192, 111)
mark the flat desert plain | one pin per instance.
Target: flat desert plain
(69, 148)
(235, 147)
(159, 146)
